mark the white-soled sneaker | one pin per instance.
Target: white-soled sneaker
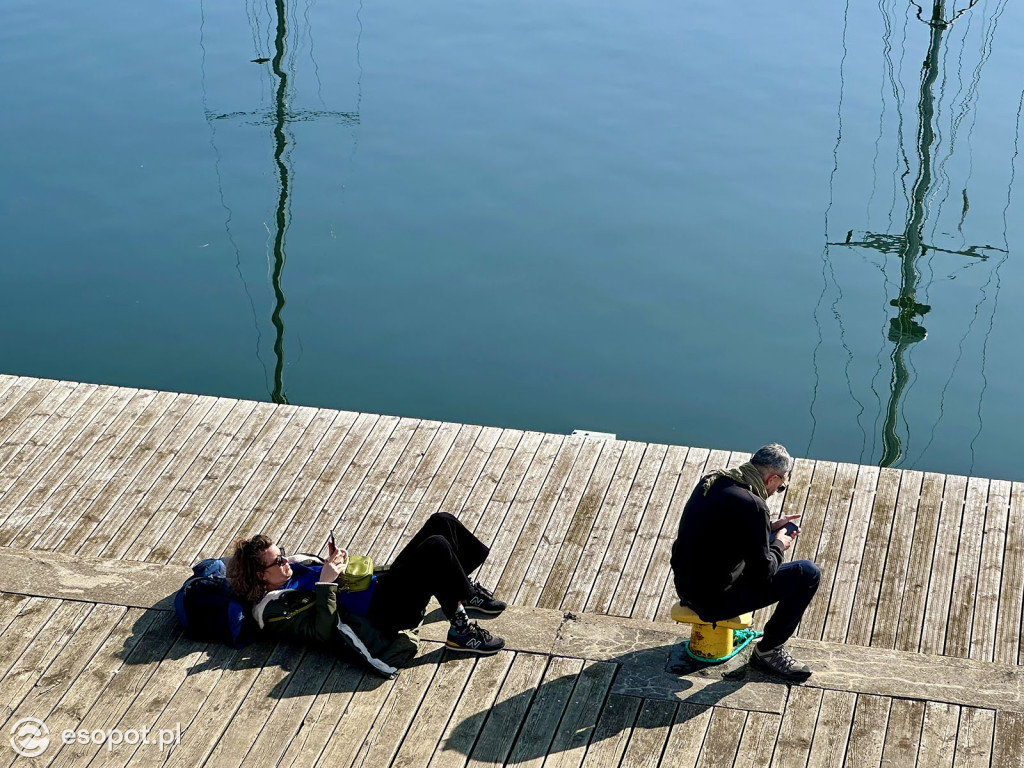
(780, 661)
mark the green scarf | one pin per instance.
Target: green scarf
(745, 474)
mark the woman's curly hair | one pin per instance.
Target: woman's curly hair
(245, 568)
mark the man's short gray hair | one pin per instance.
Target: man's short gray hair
(772, 459)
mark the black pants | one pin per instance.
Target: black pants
(792, 587)
(433, 564)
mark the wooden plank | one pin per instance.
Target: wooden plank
(530, 463)
(249, 727)
(897, 560)
(11, 391)
(348, 517)
(295, 695)
(830, 543)
(221, 530)
(471, 710)
(612, 732)
(10, 607)
(396, 715)
(869, 580)
(196, 490)
(546, 710)
(311, 478)
(1011, 591)
(63, 705)
(722, 741)
(331, 515)
(867, 734)
(380, 539)
(153, 498)
(794, 501)
(309, 508)
(915, 590)
(53, 465)
(39, 450)
(600, 534)
(938, 735)
(455, 497)
(844, 586)
(815, 509)
(758, 742)
(832, 731)
(102, 480)
(28, 414)
(650, 733)
(272, 500)
(578, 725)
(22, 629)
(990, 572)
(650, 532)
(268, 449)
(515, 540)
(58, 510)
(687, 736)
(581, 522)
(187, 706)
(146, 709)
(974, 738)
(485, 473)
(940, 586)
(140, 663)
(141, 506)
(113, 503)
(965, 579)
(1008, 741)
(554, 535)
(794, 744)
(44, 647)
(658, 577)
(50, 682)
(338, 690)
(903, 732)
(381, 507)
(313, 475)
(435, 711)
(428, 486)
(510, 709)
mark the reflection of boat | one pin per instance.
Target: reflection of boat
(279, 118)
(909, 245)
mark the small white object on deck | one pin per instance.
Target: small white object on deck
(593, 435)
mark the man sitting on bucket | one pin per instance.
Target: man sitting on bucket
(727, 559)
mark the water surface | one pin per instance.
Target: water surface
(690, 225)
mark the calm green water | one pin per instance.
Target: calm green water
(676, 224)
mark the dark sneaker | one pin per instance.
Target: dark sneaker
(475, 639)
(780, 662)
(481, 603)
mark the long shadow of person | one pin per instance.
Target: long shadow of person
(601, 701)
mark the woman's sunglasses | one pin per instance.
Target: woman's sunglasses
(281, 559)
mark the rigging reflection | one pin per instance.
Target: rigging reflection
(909, 243)
(280, 115)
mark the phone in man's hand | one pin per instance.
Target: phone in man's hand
(790, 528)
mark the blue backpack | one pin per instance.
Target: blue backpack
(207, 609)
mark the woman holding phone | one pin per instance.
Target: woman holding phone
(298, 597)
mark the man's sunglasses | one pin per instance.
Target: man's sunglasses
(281, 559)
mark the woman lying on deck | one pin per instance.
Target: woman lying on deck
(297, 597)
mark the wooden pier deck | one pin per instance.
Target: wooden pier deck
(108, 494)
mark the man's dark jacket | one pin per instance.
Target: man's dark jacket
(722, 545)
